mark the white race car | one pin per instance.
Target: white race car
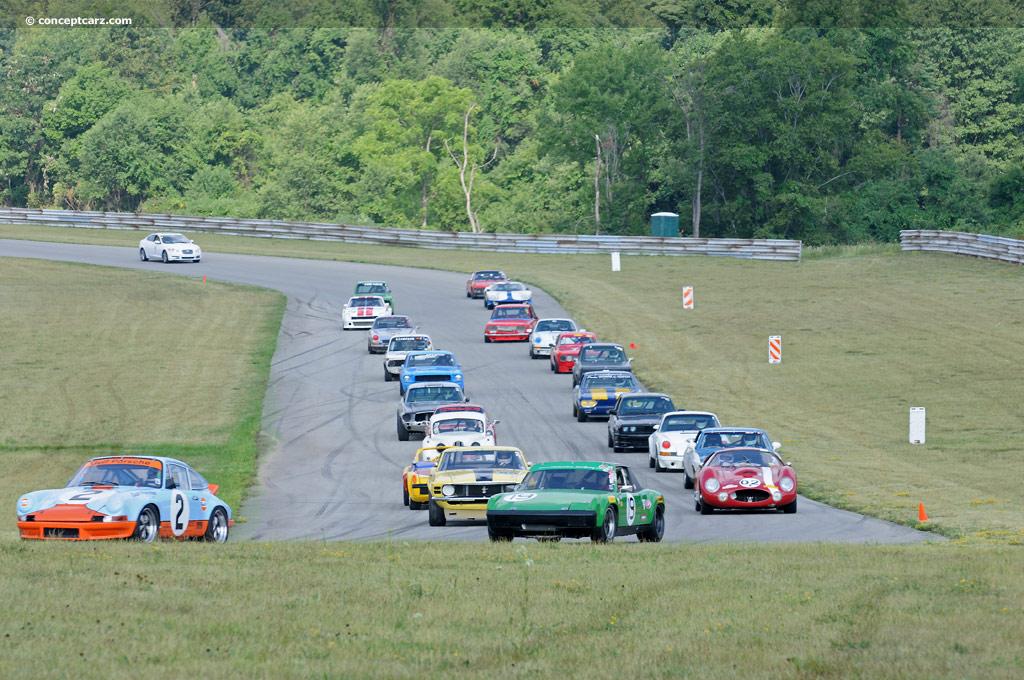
(458, 428)
(361, 310)
(545, 333)
(399, 347)
(506, 292)
(169, 247)
(673, 435)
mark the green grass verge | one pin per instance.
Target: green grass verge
(867, 332)
(100, 360)
(395, 609)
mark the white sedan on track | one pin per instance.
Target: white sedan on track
(169, 248)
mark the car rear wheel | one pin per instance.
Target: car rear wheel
(415, 505)
(657, 467)
(142, 255)
(650, 462)
(606, 532)
(147, 526)
(405, 495)
(687, 481)
(486, 339)
(789, 508)
(435, 517)
(217, 528)
(403, 431)
(656, 531)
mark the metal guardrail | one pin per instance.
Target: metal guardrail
(783, 250)
(960, 243)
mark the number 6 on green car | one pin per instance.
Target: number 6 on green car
(576, 500)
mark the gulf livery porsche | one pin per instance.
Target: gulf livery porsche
(567, 348)
(577, 500)
(362, 310)
(598, 392)
(466, 476)
(510, 322)
(739, 478)
(138, 497)
(415, 475)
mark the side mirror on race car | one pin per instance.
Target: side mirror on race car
(776, 445)
(627, 488)
(656, 427)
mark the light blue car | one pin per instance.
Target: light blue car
(714, 438)
(430, 366)
(138, 497)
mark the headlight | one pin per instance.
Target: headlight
(457, 377)
(712, 485)
(588, 403)
(114, 506)
(448, 490)
(723, 496)
(786, 484)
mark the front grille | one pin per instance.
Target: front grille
(186, 252)
(752, 495)
(478, 490)
(395, 363)
(434, 377)
(58, 532)
(423, 416)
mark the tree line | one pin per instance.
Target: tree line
(747, 127)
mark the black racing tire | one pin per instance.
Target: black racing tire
(549, 539)
(486, 339)
(142, 255)
(551, 365)
(611, 441)
(217, 528)
(618, 449)
(147, 526)
(468, 294)
(405, 495)
(687, 480)
(656, 531)
(163, 257)
(706, 508)
(581, 416)
(789, 508)
(606, 532)
(532, 355)
(435, 514)
(387, 375)
(498, 536)
(650, 463)
(196, 261)
(416, 505)
(658, 468)
(403, 431)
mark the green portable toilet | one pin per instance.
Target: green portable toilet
(664, 224)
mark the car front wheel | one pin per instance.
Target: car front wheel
(163, 256)
(789, 508)
(498, 536)
(403, 431)
(435, 514)
(142, 255)
(147, 526)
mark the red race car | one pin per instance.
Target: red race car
(479, 280)
(745, 478)
(510, 322)
(567, 347)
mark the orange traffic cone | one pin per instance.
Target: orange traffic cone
(632, 345)
(204, 277)
(922, 516)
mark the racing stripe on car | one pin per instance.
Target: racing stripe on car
(766, 473)
(600, 394)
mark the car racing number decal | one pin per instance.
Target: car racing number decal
(83, 496)
(521, 497)
(750, 482)
(630, 509)
(179, 513)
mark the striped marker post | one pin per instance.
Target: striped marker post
(687, 297)
(774, 349)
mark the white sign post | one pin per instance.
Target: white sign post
(616, 265)
(917, 424)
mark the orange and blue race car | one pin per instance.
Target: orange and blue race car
(138, 497)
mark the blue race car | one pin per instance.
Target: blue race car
(430, 366)
(712, 439)
(597, 393)
(138, 497)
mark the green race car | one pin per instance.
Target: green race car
(575, 500)
(380, 288)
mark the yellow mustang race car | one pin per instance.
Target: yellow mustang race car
(415, 476)
(467, 476)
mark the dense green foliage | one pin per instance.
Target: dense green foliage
(737, 115)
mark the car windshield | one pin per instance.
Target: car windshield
(174, 238)
(489, 276)
(476, 458)
(408, 344)
(555, 325)
(366, 302)
(606, 381)
(417, 360)
(687, 423)
(433, 393)
(453, 425)
(510, 313)
(733, 458)
(719, 440)
(569, 478)
(604, 355)
(508, 286)
(120, 472)
(368, 288)
(459, 407)
(576, 340)
(392, 322)
(646, 405)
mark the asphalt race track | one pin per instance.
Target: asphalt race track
(336, 470)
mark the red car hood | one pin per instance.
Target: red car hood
(510, 322)
(746, 475)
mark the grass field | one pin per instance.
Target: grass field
(867, 333)
(865, 337)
